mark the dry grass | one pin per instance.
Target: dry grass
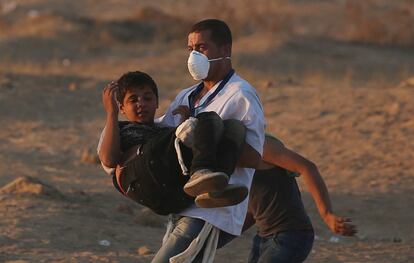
(379, 22)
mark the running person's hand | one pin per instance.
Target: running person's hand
(340, 225)
(184, 111)
(109, 98)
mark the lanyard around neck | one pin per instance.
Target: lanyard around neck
(191, 97)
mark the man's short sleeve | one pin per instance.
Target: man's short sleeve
(248, 109)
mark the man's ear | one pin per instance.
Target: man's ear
(227, 50)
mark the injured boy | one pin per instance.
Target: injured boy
(149, 164)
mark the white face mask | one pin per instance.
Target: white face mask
(199, 64)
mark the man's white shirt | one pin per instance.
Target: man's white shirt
(237, 100)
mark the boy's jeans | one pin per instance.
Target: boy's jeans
(289, 246)
(185, 231)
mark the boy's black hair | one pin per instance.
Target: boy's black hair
(135, 79)
(220, 31)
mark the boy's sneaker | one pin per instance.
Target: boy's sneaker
(204, 181)
(231, 195)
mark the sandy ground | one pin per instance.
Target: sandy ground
(336, 79)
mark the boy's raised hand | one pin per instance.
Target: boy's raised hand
(109, 98)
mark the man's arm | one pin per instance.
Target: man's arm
(276, 153)
(110, 149)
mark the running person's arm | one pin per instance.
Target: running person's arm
(275, 153)
(110, 149)
(249, 157)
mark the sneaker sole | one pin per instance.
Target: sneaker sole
(232, 195)
(212, 182)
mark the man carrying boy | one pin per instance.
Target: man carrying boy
(226, 93)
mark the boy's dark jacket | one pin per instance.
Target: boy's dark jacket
(153, 178)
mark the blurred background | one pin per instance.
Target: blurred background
(336, 79)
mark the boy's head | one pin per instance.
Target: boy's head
(137, 97)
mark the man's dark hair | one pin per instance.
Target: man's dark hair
(132, 80)
(220, 31)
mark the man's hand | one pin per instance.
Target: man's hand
(185, 131)
(184, 111)
(340, 225)
(109, 98)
